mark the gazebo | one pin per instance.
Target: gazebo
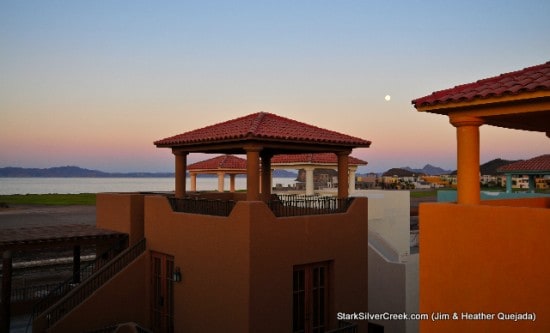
(517, 100)
(220, 166)
(261, 136)
(488, 256)
(312, 161)
(539, 165)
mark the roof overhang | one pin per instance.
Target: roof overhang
(529, 111)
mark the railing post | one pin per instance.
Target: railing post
(6, 291)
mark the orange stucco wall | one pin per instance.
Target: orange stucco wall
(212, 253)
(122, 212)
(237, 270)
(485, 259)
(123, 299)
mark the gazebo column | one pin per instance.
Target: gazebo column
(221, 176)
(532, 183)
(252, 172)
(181, 169)
(266, 176)
(310, 188)
(343, 167)
(467, 136)
(193, 181)
(351, 181)
(232, 182)
(508, 183)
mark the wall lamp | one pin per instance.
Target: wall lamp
(176, 275)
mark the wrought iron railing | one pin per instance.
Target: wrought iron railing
(297, 205)
(89, 286)
(31, 293)
(61, 289)
(202, 206)
(281, 205)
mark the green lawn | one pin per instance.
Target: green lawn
(48, 199)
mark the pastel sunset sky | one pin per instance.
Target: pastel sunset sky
(94, 83)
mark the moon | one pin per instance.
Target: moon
(387, 98)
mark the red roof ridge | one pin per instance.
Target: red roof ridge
(262, 125)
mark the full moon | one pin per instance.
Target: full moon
(387, 98)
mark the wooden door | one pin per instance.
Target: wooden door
(310, 298)
(162, 317)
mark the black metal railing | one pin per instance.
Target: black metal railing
(31, 293)
(297, 205)
(344, 327)
(61, 289)
(202, 206)
(89, 286)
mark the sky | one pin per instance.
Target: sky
(95, 83)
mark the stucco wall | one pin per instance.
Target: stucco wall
(212, 253)
(237, 270)
(484, 259)
(122, 212)
(278, 244)
(389, 217)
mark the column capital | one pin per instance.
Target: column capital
(343, 153)
(459, 121)
(180, 152)
(252, 148)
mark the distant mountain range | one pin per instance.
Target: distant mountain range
(429, 169)
(74, 171)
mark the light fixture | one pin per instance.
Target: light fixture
(176, 275)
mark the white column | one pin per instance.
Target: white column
(309, 180)
(352, 171)
(221, 176)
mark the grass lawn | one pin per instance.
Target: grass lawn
(48, 199)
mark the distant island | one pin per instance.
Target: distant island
(78, 172)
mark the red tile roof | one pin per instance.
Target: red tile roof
(317, 158)
(220, 162)
(530, 79)
(262, 125)
(537, 164)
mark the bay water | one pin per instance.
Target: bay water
(36, 185)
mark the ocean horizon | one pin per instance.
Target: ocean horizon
(66, 185)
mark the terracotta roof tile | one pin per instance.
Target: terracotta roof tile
(220, 162)
(314, 158)
(530, 79)
(261, 125)
(539, 163)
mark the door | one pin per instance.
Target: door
(162, 268)
(310, 298)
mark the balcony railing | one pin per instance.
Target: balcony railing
(298, 205)
(202, 206)
(281, 205)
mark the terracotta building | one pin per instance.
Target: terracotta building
(230, 262)
(484, 264)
